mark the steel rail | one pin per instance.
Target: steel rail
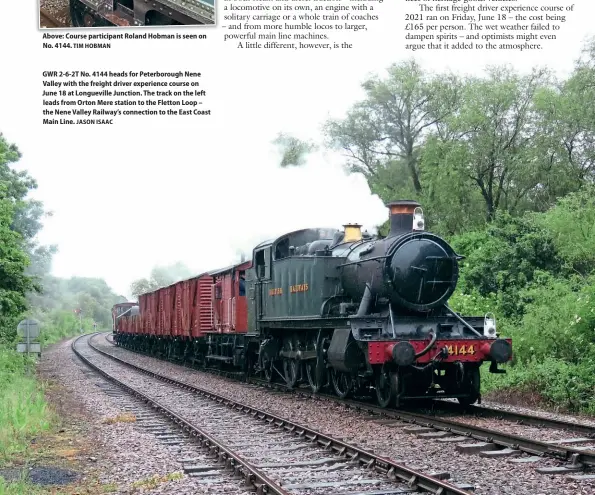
(252, 474)
(520, 418)
(506, 440)
(458, 428)
(384, 465)
(479, 433)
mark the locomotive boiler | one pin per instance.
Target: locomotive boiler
(336, 309)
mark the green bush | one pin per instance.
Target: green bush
(527, 271)
(559, 384)
(504, 259)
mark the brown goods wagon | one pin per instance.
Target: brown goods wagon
(201, 306)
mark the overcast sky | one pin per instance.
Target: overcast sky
(146, 192)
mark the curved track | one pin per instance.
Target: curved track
(488, 442)
(396, 478)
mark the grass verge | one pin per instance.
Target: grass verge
(24, 416)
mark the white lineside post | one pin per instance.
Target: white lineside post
(27, 370)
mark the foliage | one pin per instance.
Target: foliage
(14, 283)
(382, 135)
(515, 270)
(504, 258)
(487, 152)
(62, 296)
(293, 150)
(560, 385)
(573, 222)
(161, 276)
(28, 289)
(504, 166)
(23, 409)
(467, 148)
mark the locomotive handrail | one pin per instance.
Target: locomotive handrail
(462, 320)
(376, 258)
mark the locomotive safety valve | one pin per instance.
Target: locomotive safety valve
(418, 219)
(489, 326)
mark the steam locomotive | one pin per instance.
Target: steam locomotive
(338, 309)
(102, 13)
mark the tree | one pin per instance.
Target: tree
(293, 150)
(14, 284)
(492, 150)
(568, 127)
(383, 134)
(573, 221)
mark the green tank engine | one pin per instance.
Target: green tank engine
(366, 314)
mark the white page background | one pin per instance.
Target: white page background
(149, 191)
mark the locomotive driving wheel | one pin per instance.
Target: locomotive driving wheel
(387, 387)
(315, 368)
(291, 368)
(342, 383)
(472, 386)
(268, 367)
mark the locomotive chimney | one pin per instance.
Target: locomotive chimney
(353, 232)
(405, 216)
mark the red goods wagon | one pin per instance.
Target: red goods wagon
(119, 316)
(184, 298)
(137, 324)
(166, 311)
(151, 316)
(201, 306)
(176, 321)
(159, 319)
(143, 304)
(230, 308)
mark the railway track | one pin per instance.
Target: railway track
(46, 20)
(519, 418)
(573, 456)
(287, 459)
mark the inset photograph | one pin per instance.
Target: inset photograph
(125, 13)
